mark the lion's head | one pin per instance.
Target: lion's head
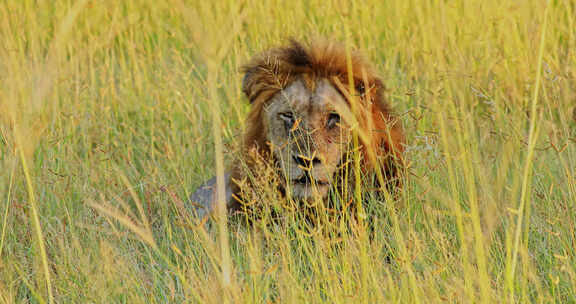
(306, 102)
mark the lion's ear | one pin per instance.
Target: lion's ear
(247, 82)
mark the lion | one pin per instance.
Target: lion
(307, 100)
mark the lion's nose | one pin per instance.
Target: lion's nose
(306, 161)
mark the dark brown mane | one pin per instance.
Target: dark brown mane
(276, 68)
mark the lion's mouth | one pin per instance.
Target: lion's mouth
(307, 180)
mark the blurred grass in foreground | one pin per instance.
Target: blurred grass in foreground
(106, 126)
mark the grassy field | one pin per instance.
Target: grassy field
(106, 127)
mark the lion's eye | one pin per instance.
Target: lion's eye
(333, 119)
(288, 119)
(360, 89)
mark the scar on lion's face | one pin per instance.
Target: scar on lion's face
(307, 136)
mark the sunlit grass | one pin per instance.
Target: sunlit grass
(109, 119)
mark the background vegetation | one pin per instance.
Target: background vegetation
(106, 128)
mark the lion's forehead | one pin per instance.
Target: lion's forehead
(305, 100)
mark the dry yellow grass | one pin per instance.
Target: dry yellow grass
(109, 118)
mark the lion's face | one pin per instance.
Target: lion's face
(297, 97)
(306, 135)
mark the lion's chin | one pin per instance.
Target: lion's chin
(308, 191)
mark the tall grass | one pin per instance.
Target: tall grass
(112, 112)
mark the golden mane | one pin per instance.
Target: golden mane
(320, 62)
(271, 71)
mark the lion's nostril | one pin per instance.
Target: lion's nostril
(306, 161)
(300, 160)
